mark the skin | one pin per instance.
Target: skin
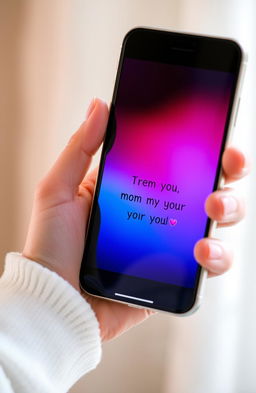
(61, 208)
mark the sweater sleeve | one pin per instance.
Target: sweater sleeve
(49, 335)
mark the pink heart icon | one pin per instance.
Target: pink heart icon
(173, 222)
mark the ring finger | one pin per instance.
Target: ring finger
(213, 255)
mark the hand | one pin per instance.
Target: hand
(60, 213)
(227, 208)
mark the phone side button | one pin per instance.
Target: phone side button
(237, 109)
(201, 290)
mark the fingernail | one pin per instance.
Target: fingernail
(215, 258)
(230, 206)
(245, 171)
(246, 167)
(215, 251)
(90, 109)
(247, 163)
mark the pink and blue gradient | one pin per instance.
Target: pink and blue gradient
(170, 123)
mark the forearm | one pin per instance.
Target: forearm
(49, 334)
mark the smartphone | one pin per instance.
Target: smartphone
(174, 103)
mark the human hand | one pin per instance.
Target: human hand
(226, 208)
(61, 209)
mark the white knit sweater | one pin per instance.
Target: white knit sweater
(49, 335)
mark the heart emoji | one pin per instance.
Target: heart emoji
(173, 222)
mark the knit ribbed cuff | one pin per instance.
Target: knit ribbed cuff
(47, 320)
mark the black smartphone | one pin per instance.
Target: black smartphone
(173, 105)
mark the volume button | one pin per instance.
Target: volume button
(237, 109)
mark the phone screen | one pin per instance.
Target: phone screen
(170, 122)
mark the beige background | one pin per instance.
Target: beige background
(55, 60)
(57, 55)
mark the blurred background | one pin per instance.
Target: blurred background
(55, 56)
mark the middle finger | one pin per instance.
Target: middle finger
(225, 207)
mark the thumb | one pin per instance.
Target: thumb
(71, 166)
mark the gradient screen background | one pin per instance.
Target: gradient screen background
(170, 123)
